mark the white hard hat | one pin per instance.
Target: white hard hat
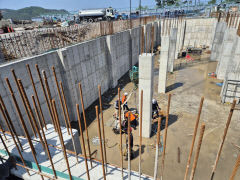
(125, 93)
(154, 101)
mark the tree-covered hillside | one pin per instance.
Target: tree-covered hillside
(29, 12)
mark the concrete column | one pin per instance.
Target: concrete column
(146, 62)
(172, 48)
(218, 40)
(163, 65)
(227, 50)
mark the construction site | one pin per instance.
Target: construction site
(149, 98)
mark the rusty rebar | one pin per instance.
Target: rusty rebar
(8, 120)
(30, 111)
(193, 138)
(44, 137)
(223, 138)
(42, 119)
(85, 122)
(142, 45)
(68, 119)
(129, 149)
(100, 141)
(23, 125)
(235, 168)
(45, 95)
(103, 131)
(24, 103)
(157, 147)
(152, 39)
(49, 98)
(165, 135)
(60, 98)
(1, 129)
(198, 151)
(13, 137)
(61, 137)
(83, 143)
(140, 133)
(120, 125)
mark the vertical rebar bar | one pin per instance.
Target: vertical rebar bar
(193, 138)
(85, 122)
(12, 134)
(223, 138)
(83, 143)
(49, 98)
(140, 132)
(120, 125)
(24, 103)
(198, 151)
(157, 147)
(236, 166)
(45, 95)
(100, 141)
(44, 137)
(129, 149)
(8, 120)
(103, 131)
(61, 137)
(30, 111)
(68, 119)
(165, 135)
(60, 98)
(36, 95)
(24, 126)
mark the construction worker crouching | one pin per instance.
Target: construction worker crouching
(132, 117)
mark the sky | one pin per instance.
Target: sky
(72, 5)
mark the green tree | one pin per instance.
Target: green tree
(212, 2)
(162, 3)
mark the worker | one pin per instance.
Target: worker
(155, 108)
(131, 145)
(124, 101)
(132, 117)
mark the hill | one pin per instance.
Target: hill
(29, 12)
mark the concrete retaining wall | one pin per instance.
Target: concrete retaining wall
(200, 32)
(101, 61)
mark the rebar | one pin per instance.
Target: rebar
(198, 151)
(100, 141)
(68, 119)
(194, 138)
(103, 132)
(61, 137)
(120, 125)
(85, 122)
(83, 143)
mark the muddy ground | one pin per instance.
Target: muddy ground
(187, 84)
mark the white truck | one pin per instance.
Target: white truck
(92, 15)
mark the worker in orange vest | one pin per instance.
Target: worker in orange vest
(124, 101)
(132, 117)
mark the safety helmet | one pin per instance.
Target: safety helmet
(154, 101)
(125, 93)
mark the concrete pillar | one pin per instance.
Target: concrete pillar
(218, 40)
(146, 62)
(163, 65)
(172, 48)
(227, 50)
